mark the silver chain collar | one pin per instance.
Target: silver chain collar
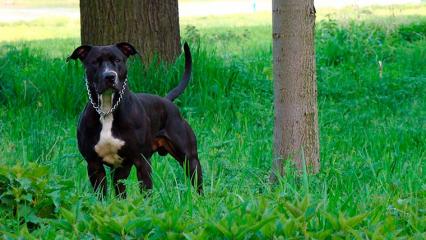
(97, 106)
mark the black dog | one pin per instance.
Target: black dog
(120, 128)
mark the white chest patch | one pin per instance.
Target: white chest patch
(108, 146)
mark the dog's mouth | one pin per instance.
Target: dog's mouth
(108, 90)
(106, 99)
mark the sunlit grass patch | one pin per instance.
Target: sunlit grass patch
(44, 28)
(388, 16)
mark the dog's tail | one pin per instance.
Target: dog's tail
(175, 92)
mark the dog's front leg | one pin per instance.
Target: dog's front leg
(96, 172)
(119, 174)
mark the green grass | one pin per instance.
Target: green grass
(372, 182)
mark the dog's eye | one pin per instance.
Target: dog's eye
(117, 60)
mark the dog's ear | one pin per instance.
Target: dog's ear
(80, 53)
(126, 48)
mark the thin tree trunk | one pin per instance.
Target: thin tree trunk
(295, 86)
(152, 26)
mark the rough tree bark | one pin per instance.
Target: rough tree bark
(295, 86)
(151, 26)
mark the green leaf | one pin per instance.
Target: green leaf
(321, 235)
(221, 228)
(139, 222)
(68, 215)
(354, 221)
(25, 233)
(62, 224)
(56, 198)
(115, 226)
(289, 227)
(342, 221)
(304, 204)
(310, 213)
(293, 210)
(255, 227)
(355, 234)
(331, 219)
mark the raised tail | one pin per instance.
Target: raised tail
(178, 90)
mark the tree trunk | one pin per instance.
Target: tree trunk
(295, 87)
(151, 26)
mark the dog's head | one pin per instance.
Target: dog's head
(105, 66)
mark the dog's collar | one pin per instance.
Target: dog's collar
(97, 107)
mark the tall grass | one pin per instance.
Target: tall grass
(372, 131)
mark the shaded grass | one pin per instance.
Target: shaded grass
(372, 135)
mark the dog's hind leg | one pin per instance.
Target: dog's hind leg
(96, 172)
(184, 149)
(193, 170)
(118, 174)
(143, 172)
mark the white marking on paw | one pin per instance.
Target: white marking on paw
(108, 146)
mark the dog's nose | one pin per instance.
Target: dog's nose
(110, 77)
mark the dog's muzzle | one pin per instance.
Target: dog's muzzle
(109, 81)
(96, 106)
